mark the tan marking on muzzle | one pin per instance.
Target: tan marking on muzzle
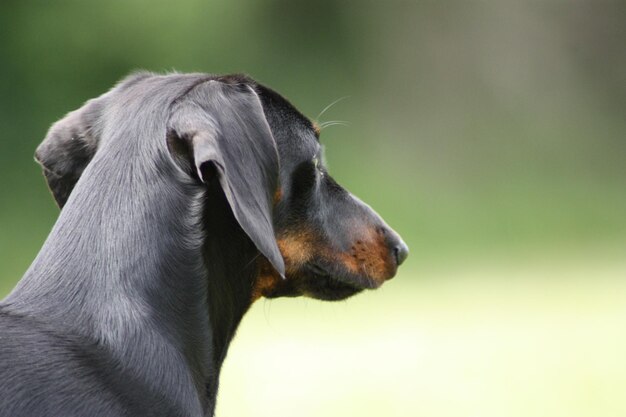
(369, 256)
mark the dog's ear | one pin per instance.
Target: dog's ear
(225, 130)
(68, 147)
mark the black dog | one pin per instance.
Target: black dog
(184, 199)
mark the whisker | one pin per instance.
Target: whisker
(330, 105)
(334, 123)
(254, 258)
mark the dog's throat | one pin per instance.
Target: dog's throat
(230, 260)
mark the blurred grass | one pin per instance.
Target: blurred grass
(541, 338)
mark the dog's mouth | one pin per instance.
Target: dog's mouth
(338, 274)
(329, 282)
(322, 279)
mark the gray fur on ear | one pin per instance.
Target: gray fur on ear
(225, 126)
(68, 148)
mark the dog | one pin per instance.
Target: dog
(184, 198)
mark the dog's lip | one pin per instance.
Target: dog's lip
(356, 281)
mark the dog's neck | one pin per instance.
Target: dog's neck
(127, 269)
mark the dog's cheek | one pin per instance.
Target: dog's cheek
(270, 284)
(266, 281)
(297, 249)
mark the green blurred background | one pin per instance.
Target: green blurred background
(490, 134)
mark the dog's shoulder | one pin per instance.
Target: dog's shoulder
(44, 372)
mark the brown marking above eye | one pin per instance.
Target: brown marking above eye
(316, 129)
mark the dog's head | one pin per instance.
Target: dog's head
(333, 244)
(317, 239)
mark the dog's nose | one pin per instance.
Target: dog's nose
(397, 248)
(401, 252)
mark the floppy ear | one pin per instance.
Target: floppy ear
(225, 128)
(68, 147)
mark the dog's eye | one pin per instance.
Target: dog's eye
(316, 164)
(304, 177)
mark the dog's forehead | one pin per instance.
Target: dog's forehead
(295, 134)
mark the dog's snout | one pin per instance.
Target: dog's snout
(401, 252)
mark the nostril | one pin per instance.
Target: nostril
(401, 252)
